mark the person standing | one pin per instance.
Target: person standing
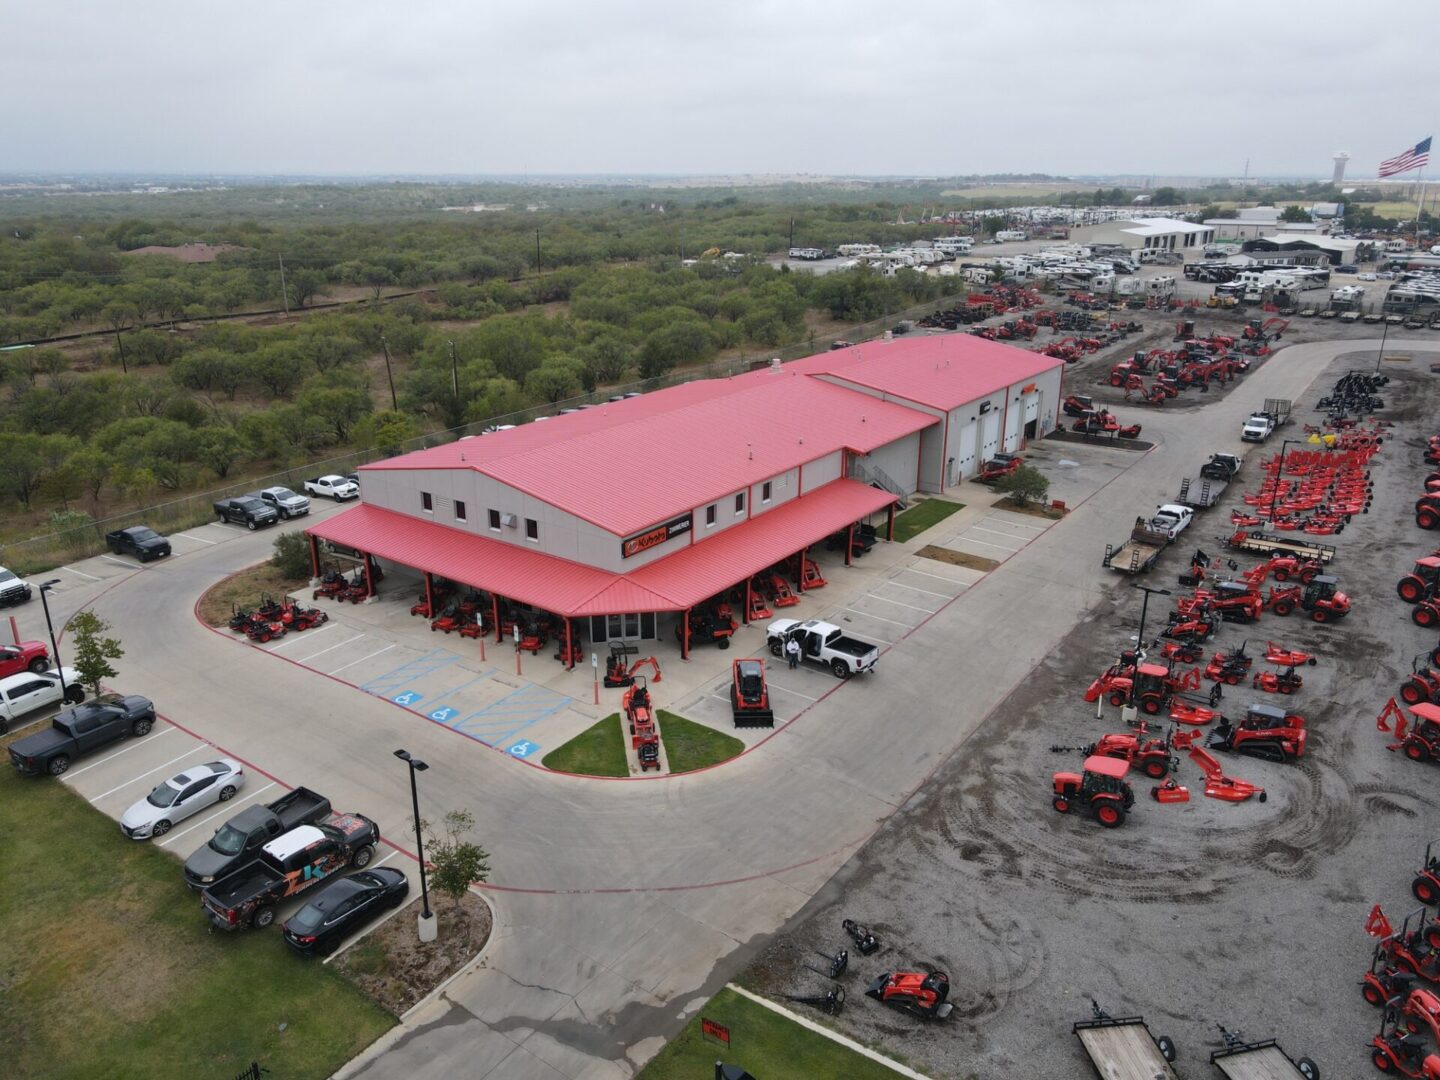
(792, 653)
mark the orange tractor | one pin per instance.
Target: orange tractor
(1101, 788)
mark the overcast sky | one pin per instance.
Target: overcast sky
(737, 86)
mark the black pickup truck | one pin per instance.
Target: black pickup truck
(246, 510)
(237, 843)
(80, 731)
(287, 865)
(145, 544)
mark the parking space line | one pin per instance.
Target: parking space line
(362, 659)
(332, 648)
(187, 536)
(427, 663)
(1012, 521)
(897, 603)
(912, 588)
(787, 690)
(225, 525)
(867, 615)
(308, 637)
(937, 577)
(997, 532)
(127, 783)
(223, 807)
(79, 573)
(117, 753)
(117, 562)
(982, 543)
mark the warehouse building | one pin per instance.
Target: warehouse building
(1142, 234)
(1335, 250)
(624, 519)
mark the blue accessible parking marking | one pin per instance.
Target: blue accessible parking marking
(410, 697)
(523, 749)
(507, 718)
(443, 714)
(395, 678)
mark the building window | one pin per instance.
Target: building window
(532, 529)
(426, 503)
(765, 492)
(710, 515)
(740, 503)
(495, 520)
(459, 510)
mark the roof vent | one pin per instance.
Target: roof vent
(889, 336)
(775, 364)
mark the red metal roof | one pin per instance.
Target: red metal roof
(653, 457)
(943, 371)
(671, 584)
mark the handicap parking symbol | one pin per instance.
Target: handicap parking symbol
(523, 749)
(444, 713)
(410, 697)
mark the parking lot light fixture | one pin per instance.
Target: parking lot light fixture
(45, 587)
(426, 922)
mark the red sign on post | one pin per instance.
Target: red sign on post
(718, 1032)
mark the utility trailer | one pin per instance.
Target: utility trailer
(1263, 544)
(1123, 1049)
(1138, 553)
(1201, 492)
(1260, 1061)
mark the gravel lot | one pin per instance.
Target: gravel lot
(1247, 915)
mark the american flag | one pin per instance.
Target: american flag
(1417, 157)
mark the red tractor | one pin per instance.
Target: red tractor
(998, 466)
(640, 715)
(1397, 1051)
(1101, 787)
(1078, 405)
(1419, 741)
(1324, 600)
(1420, 582)
(1264, 732)
(749, 695)
(1423, 685)
(922, 993)
(1139, 749)
(1426, 885)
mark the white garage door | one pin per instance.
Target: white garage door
(965, 463)
(1032, 407)
(990, 436)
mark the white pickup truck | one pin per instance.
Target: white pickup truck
(1171, 519)
(333, 487)
(825, 644)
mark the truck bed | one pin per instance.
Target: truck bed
(1256, 1061)
(1123, 1050)
(300, 807)
(1201, 492)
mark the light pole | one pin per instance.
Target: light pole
(45, 587)
(1384, 332)
(426, 921)
(1144, 609)
(1279, 476)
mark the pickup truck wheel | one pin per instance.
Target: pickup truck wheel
(263, 917)
(227, 792)
(361, 858)
(775, 649)
(141, 727)
(74, 695)
(58, 765)
(284, 515)
(38, 665)
(250, 525)
(160, 828)
(840, 668)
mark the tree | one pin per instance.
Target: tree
(292, 555)
(338, 407)
(1025, 485)
(278, 368)
(92, 652)
(457, 861)
(608, 357)
(387, 431)
(92, 470)
(303, 284)
(219, 448)
(1294, 213)
(208, 371)
(22, 465)
(556, 379)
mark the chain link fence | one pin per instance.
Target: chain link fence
(54, 549)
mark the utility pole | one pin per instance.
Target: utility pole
(792, 232)
(537, 253)
(284, 292)
(120, 344)
(390, 375)
(1144, 609)
(454, 373)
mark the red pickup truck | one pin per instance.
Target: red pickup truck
(26, 656)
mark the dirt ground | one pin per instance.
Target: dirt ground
(1248, 915)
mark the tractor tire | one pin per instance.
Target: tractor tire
(1372, 994)
(1422, 615)
(1427, 519)
(1424, 890)
(1282, 575)
(1061, 804)
(1410, 589)
(1435, 658)
(1150, 705)
(1416, 750)
(1308, 576)
(1166, 1046)
(1320, 615)
(1285, 688)
(1109, 814)
(1156, 768)
(1381, 1061)
(1117, 700)
(1283, 607)
(724, 643)
(1307, 1068)
(1413, 692)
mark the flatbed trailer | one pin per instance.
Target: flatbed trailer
(1201, 492)
(1123, 1049)
(1264, 544)
(1262, 1061)
(1138, 553)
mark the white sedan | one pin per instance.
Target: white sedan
(31, 690)
(184, 794)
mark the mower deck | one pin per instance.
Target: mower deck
(1256, 1061)
(1123, 1049)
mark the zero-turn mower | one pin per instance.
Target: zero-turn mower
(922, 993)
(1277, 682)
(749, 695)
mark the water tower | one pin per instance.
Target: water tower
(1338, 176)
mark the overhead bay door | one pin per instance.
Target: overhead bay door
(990, 434)
(965, 463)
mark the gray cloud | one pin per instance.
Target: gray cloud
(634, 86)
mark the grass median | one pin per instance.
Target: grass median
(599, 750)
(911, 523)
(111, 970)
(690, 746)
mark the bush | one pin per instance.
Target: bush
(1025, 485)
(292, 555)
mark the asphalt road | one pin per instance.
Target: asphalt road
(622, 906)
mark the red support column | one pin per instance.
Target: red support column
(369, 581)
(747, 601)
(849, 543)
(495, 613)
(800, 570)
(314, 556)
(429, 596)
(685, 635)
(569, 647)
(890, 524)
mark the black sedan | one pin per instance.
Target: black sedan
(342, 907)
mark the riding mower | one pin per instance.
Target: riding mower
(1277, 682)
(1264, 732)
(239, 618)
(918, 992)
(1230, 667)
(299, 618)
(332, 584)
(533, 636)
(1419, 741)
(262, 630)
(711, 625)
(1101, 787)
(749, 696)
(448, 620)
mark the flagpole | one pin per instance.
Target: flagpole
(1420, 204)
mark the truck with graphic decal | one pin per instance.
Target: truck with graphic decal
(289, 865)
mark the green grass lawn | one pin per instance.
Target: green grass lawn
(923, 515)
(110, 969)
(763, 1043)
(690, 746)
(599, 750)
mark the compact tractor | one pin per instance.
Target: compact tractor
(1394, 1050)
(1148, 686)
(999, 466)
(749, 695)
(1264, 732)
(1426, 885)
(1420, 740)
(1140, 749)
(1423, 685)
(1101, 788)
(922, 993)
(640, 715)
(1322, 598)
(1420, 582)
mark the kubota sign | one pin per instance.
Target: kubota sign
(650, 538)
